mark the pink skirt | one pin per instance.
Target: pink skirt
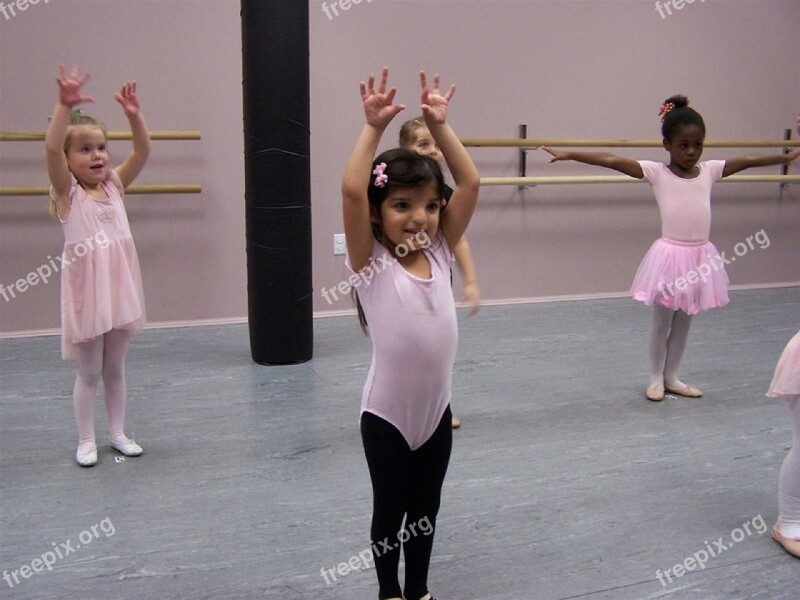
(101, 290)
(786, 381)
(687, 276)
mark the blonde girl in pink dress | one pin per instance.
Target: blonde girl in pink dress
(682, 273)
(102, 304)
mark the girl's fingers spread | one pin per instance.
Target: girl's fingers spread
(390, 95)
(384, 79)
(450, 92)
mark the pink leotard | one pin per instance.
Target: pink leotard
(684, 204)
(412, 324)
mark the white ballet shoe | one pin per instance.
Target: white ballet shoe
(88, 458)
(129, 448)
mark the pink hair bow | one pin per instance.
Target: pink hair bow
(380, 177)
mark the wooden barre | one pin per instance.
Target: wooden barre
(41, 190)
(38, 136)
(574, 143)
(625, 179)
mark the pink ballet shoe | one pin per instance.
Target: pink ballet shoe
(655, 392)
(455, 423)
(791, 546)
(689, 391)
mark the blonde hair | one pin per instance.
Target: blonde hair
(408, 131)
(77, 120)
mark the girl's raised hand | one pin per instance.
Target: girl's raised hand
(69, 86)
(434, 105)
(378, 104)
(556, 154)
(127, 98)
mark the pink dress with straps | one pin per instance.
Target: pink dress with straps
(101, 284)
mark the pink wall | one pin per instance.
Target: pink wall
(567, 68)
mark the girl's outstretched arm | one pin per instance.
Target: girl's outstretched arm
(132, 165)
(466, 177)
(69, 95)
(734, 165)
(379, 110)
(469, 283)
(600, 159)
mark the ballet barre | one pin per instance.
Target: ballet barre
(524, 144)
(535, 143)
(168, 188)
(38, 136)
(529, 181)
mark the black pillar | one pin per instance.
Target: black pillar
(277, 179)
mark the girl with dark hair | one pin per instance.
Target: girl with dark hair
(393, 216)
(680, 275)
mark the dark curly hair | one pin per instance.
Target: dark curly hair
(680, 115)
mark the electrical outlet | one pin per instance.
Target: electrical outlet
(339, 244)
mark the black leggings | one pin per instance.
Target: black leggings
(404, 482)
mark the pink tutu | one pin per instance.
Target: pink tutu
(786, 381)
(101, 285)
(687, 276)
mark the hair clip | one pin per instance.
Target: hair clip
(665, 109)
(76, 113)
(380, 177)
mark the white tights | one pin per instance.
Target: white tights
(102, 357)
(668, 336)
(789, 479)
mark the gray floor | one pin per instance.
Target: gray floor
(565, 482)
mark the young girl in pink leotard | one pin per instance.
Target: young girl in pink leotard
(400, 248)
(681, 274)
(102, 304)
